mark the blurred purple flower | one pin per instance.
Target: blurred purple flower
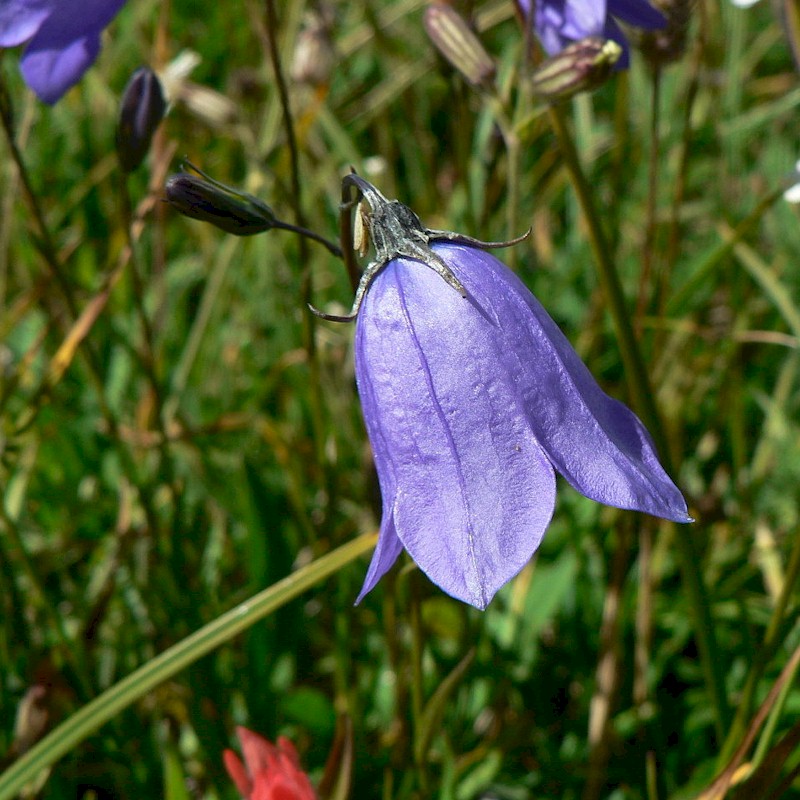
(473, 399)
(558, 23)
(63, 39)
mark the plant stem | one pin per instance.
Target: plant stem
(646, 276)
(644, 402)
(306, 284)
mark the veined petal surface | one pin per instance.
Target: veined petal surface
(594, 441)
(468, 487)
(558, 23)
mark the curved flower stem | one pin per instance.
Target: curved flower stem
(647, 280)
(638, 379)
(642, 396)
(330, 246)
(415, 617)
(306, 285)
(103, 708)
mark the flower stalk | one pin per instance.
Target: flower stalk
(641, 391)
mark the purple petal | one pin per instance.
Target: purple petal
(65, 46)
(469, 488)
(638, 13)
(20, 19)
(389, 545)
(560, 22)
(594, 441)
(386, 551)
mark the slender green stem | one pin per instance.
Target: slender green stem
(417, 690)
(103, 708)
(306, 286)
(649, 248)
(644, 402)
(309, 234)
(638, 379)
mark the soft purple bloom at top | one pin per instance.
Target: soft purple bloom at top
(63, 39)
(558, 23)
(472, 403)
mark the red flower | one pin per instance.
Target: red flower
(269, 772)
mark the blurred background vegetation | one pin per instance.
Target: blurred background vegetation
(204, 438)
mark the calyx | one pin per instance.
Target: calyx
(395, 231)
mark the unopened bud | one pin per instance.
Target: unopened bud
(210, 201)
(668, 44)
(314, 56)
(141, 110)
(582, 66)
(455, 40)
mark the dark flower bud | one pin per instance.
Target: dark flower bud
(455, 40)
(210, 201)
(661, 47)
(142, 109)
(582, 66)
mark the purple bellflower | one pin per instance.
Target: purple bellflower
(63, 39)
(558, 23)
(473, 399)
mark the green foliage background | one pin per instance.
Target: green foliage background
(206, 439)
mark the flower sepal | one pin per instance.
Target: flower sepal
(395, 231)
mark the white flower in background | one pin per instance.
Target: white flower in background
(792, 194)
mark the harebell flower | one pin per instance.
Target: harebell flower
(473, 399)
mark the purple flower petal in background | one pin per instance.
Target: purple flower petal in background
(472, 403)
(558, 23)
(63, 39)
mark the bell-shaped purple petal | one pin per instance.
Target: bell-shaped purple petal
(389, 545)
(558, 23)
(468, 488)
(20, 19)
(594, 441)
(64, 40)
(470, 404)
